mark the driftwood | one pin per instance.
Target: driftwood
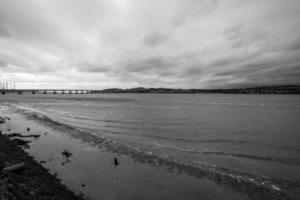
(14, 168)
(22, 136)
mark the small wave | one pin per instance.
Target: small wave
(290, 161)
(249, 105)
(102, 120)
(193, 140)
(135, 122)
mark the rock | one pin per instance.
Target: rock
(2, 120)
(32, 193)
(116, 162)
(66, 153)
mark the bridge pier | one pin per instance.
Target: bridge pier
(47, 91)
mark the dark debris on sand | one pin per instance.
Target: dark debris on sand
(30, 181)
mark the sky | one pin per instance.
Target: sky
(97, 44)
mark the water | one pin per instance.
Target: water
(256, 136)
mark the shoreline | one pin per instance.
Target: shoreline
(133, 162)
(91, 170)
(33, 181)
(253, 186)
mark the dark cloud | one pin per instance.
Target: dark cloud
(294, 46)
(243, 36)
(276, 77)
(155, 39)
(192, 71)
(223, 61)
(169, 73)
(3, 31)
(2, 63)
(277, 71)
(92, 68)
(149, 65)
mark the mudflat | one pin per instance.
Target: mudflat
(30, 180)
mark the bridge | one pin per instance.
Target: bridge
(49, 91)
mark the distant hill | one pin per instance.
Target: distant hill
(286, 89)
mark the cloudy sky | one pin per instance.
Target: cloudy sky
(150, 43)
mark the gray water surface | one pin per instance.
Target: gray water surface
(253, 134)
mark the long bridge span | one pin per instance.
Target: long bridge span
(49, 91)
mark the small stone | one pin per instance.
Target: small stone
(32, 193)
(66, 153)
(116, 162)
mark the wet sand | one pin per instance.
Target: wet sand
(30, 181)
(92, 170)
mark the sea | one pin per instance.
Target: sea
(251, 138)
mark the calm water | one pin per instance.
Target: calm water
(251, 134)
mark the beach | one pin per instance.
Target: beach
(31, 181)
(100, 166)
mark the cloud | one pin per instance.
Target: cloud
(131, 43)
(241, 36)
(2, 63)
(91, 68)
(4, 32)
(193, 10)
(155, 38)
(294, 46)
(149, 65)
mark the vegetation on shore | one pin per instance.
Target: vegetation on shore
(289, 89)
